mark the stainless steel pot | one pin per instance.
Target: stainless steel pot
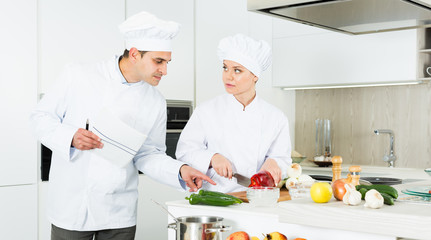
(199, 228)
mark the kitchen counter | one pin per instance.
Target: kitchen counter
(333, 220)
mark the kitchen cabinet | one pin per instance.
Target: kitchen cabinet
(179, 82)
(76, 31)
(18, 91)
(151, 217)
(329, 59)
(18, 211)
(424, 53)
(260, 220)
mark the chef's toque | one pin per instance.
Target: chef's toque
(253, 55)
(146, 32)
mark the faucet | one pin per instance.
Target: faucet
(390, 159)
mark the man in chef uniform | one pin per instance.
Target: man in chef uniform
(238, 131)
(89, 196)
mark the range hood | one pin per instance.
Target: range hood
(350, 16)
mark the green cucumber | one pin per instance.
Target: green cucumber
(363, 191)
(381, 189)
(210, 200)
(203, 192)
(388, 199)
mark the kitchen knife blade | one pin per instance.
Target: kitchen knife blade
(242, 180)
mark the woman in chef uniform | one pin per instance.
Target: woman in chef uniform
(237, 132)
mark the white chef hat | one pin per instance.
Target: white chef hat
(253, 55)
(146, 32)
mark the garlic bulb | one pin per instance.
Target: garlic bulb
(290, 182)
(306, 180)
(352, 197)
(294, 170)
(373, 199)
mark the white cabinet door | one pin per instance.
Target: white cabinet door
(214, 21)
(337, 59)
(77, 31)
(18, 91)
(18, 211)
(152, 219)
(179, 82)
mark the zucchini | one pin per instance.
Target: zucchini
(381, 189)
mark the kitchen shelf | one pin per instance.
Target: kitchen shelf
(424, 51)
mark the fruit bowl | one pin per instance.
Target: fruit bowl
(263, 196)
(298, 159)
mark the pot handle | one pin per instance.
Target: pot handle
(218, 229)
(172, 226)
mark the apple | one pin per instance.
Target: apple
(241, 235)
(275, 236)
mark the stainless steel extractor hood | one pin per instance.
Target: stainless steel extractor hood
(350, 16)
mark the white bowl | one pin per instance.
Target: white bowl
(428, 170)
(300, 190)
(263, 196)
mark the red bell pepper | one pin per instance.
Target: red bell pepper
(262, 179)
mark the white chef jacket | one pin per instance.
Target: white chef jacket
(246, 137)
(87, 192)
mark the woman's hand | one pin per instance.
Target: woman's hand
(272, 167)
(221, 165)
(86, 140)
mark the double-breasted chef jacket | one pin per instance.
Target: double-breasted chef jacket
(87, 192)
(245, 136)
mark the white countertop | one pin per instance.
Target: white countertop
(408, 220)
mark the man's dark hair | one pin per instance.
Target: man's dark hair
(126, 53)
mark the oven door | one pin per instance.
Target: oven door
(172, 136)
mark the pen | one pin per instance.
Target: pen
(86, 125)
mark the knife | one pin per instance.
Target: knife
(242, 180)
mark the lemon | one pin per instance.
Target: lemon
(321, 192)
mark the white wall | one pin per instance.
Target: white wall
(76, 31)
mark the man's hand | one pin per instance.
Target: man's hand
(272, 167)
(221, 165)
(194, 178)
(86, 140)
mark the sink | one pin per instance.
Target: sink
(410, 180)
(373, 180)
(383, 180)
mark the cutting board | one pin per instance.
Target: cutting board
(284, 195)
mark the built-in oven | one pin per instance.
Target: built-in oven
(178, 113)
